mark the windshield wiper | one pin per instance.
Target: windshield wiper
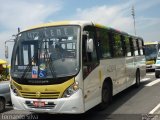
(26, 70)
(51, 67)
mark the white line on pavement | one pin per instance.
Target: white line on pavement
(156, 108)
(145, 79)
(153, 83)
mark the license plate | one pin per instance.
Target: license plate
(39, 104)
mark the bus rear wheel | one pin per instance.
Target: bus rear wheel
(106, 96)
(137, 84)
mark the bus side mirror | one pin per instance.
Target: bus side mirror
(89, 45)
(89, 42)
(6, 52)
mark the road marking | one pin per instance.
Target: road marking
(150, 73)
(145, 79)
(153, 83)
(156, 108)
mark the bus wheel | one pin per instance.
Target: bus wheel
(137, 84)
(2, 105)
(156, 75)
(106, 96)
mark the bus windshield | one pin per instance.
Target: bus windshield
(46, 53)
(151, 51)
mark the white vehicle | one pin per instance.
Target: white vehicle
(92, 64)
(151, 51)
(4, 95)
(157, 66)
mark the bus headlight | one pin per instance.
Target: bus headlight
(14, 90)
(71, 90)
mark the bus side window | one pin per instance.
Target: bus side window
(131, 46)
(104, 51)
(143, 47)
(136, 53)
(123, 45)
(117, 45)
(140, 46)
(129, 52)
(90, 59)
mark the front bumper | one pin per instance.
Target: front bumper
(150, 67)
(71, 105)
(157, 70)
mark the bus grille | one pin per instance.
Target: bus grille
(45, 95)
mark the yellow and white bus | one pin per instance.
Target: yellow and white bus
(72, 66)
(151, 51)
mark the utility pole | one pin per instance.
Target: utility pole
(133, 14)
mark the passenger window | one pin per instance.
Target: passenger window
(103, 43)
(128, 47)
(140, 47)
(123, 45)
(117, 46)
(136, 53)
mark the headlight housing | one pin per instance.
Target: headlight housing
(71, 90)
(14, 90)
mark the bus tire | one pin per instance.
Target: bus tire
(137, 84)
(156, 75)
(2, 105)
(106, 96)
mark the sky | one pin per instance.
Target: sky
(111, 13)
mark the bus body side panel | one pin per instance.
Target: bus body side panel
(140, 63)
(114, 69)
(109, 71)
(130, 71)
(92, 88)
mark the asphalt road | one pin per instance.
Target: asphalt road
(141, 103)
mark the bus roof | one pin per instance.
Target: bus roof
(59, 23)
(77, 22)
(100, 26)
(150, 43)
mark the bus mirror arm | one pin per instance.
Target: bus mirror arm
(6, 52)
